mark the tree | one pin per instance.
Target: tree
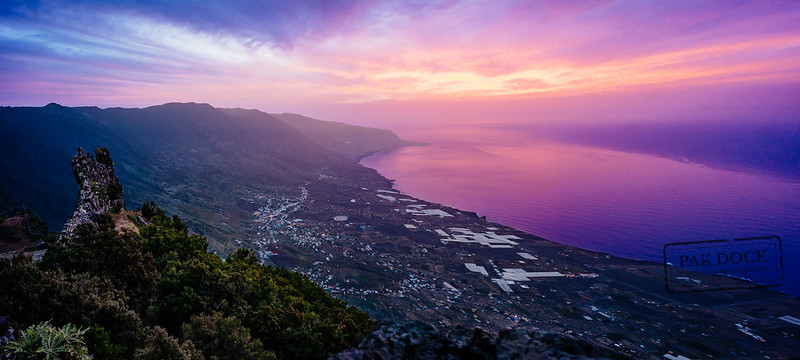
(224, 338)
(159, 345)
(105, 253)
(159, 294)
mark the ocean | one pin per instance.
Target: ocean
(621, 203)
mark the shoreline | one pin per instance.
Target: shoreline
(604, 253)
(402, 258)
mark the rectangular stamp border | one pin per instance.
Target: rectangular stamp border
(752, 284)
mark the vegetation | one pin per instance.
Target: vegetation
(160, 295)
(44, 341)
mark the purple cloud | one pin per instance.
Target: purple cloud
(277, 23)
(352, 50)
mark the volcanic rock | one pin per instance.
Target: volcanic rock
(100, 189)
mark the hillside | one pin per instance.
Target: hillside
(120, 284)
(158, 294)
(193, 159)
(348, 140)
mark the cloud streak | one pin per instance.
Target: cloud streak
(274, 54)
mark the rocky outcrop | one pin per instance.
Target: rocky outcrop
(100, 189)
(418, 340)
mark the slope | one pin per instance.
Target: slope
(348, 140)
(193, 159)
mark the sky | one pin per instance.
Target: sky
(411, 62)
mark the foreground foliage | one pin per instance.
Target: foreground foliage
(160, 294)
(44, 341)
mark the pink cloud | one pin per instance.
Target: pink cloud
(525, 84)
(321, 54)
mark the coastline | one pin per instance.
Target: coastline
(532, 233)
(390, 148)
(402, 258)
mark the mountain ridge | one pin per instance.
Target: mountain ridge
(168, 153)
(351, 141)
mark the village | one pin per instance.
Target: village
(401, 258)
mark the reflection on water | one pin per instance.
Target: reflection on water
(620, 203)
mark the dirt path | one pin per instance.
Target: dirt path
(14, 235)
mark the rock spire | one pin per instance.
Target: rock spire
(100, 189)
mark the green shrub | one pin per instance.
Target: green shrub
(159, 345)
(44, 341)
(159, 294)
(224, 338)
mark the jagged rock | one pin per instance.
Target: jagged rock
(418, 340)
(100, 189)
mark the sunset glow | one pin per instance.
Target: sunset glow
(318, 56)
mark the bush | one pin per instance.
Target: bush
(224, 338)
(114, 191)
(158, 294)
(150, 210)
(44, 341)
(159, 345)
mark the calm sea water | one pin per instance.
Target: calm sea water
(620, 203)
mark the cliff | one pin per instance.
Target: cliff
(100, 189)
